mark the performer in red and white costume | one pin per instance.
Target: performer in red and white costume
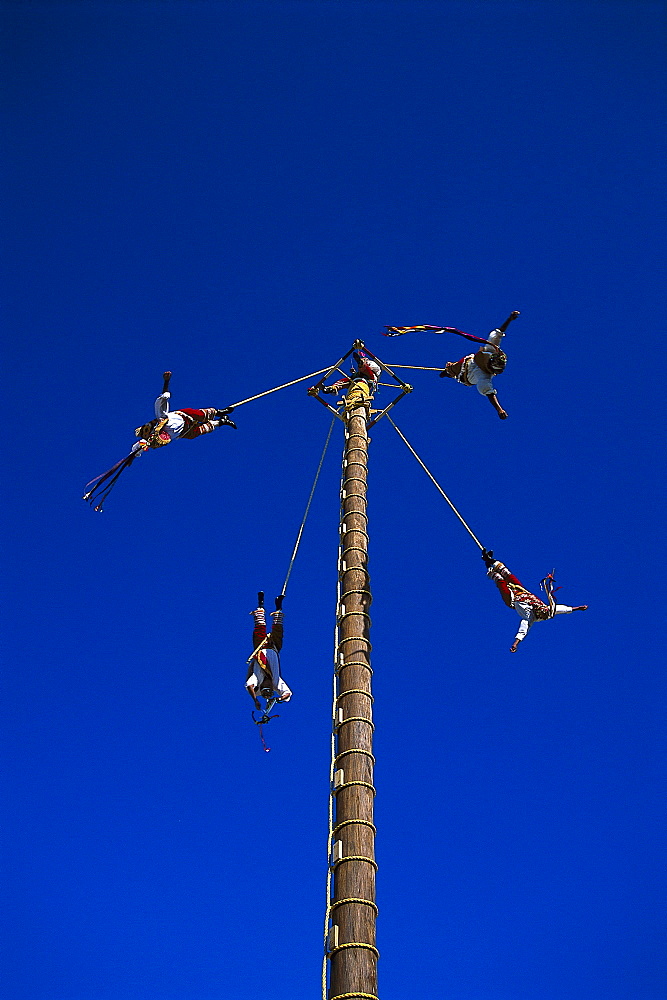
(184, 423)
(360, 384)
(264, 670)
(479, 369)
(528, 606)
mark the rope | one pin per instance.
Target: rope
(348, 592)
(285, 386)
(354, 663)
(355, 857)
(362, 614)
(354, 548)
(361, 531)
(356, 899)
(362, 822)
(366, 753)
(355, 996)
(346, 784)
(355, 638)
(418, 368)
(386, 368)
(310, 500)
(355, 944)
(355, 691)
(355, 718)
(435, 483)
(361, 513)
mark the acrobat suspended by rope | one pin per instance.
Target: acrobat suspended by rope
(264, 678)
(185, 423)
(477, 369)
(165, 428)
(529, 607)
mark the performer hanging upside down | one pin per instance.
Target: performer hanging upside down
(479, 369)
(185, 423)
(361, 383)
(264, 670)
(529, 607)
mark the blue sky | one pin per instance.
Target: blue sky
(236, 191)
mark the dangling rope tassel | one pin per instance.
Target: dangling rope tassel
(435, 483)
(398, 331)
(261, 736)
(548, 585)
(310, 500)
(262, 722)
(101, 486)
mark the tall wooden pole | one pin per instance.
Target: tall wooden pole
(352, 944)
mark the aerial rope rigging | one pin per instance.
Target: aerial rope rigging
(436, 484)
(351, 910)
(359, 388)
(529, 607)
(166, 427)
(264, 677)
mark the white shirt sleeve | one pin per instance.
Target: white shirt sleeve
(494, 338)
(522, 631)
(563, 609)
(486, 387)
(162, 405)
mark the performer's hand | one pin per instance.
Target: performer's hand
(166, 376)
(312, 391)
(582, 607)
(514, 646)
(502, 414)
(515, 314)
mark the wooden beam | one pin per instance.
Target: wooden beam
(352, 948)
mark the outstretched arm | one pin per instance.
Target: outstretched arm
(493, 399)
(509, 319)
(521, 634)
